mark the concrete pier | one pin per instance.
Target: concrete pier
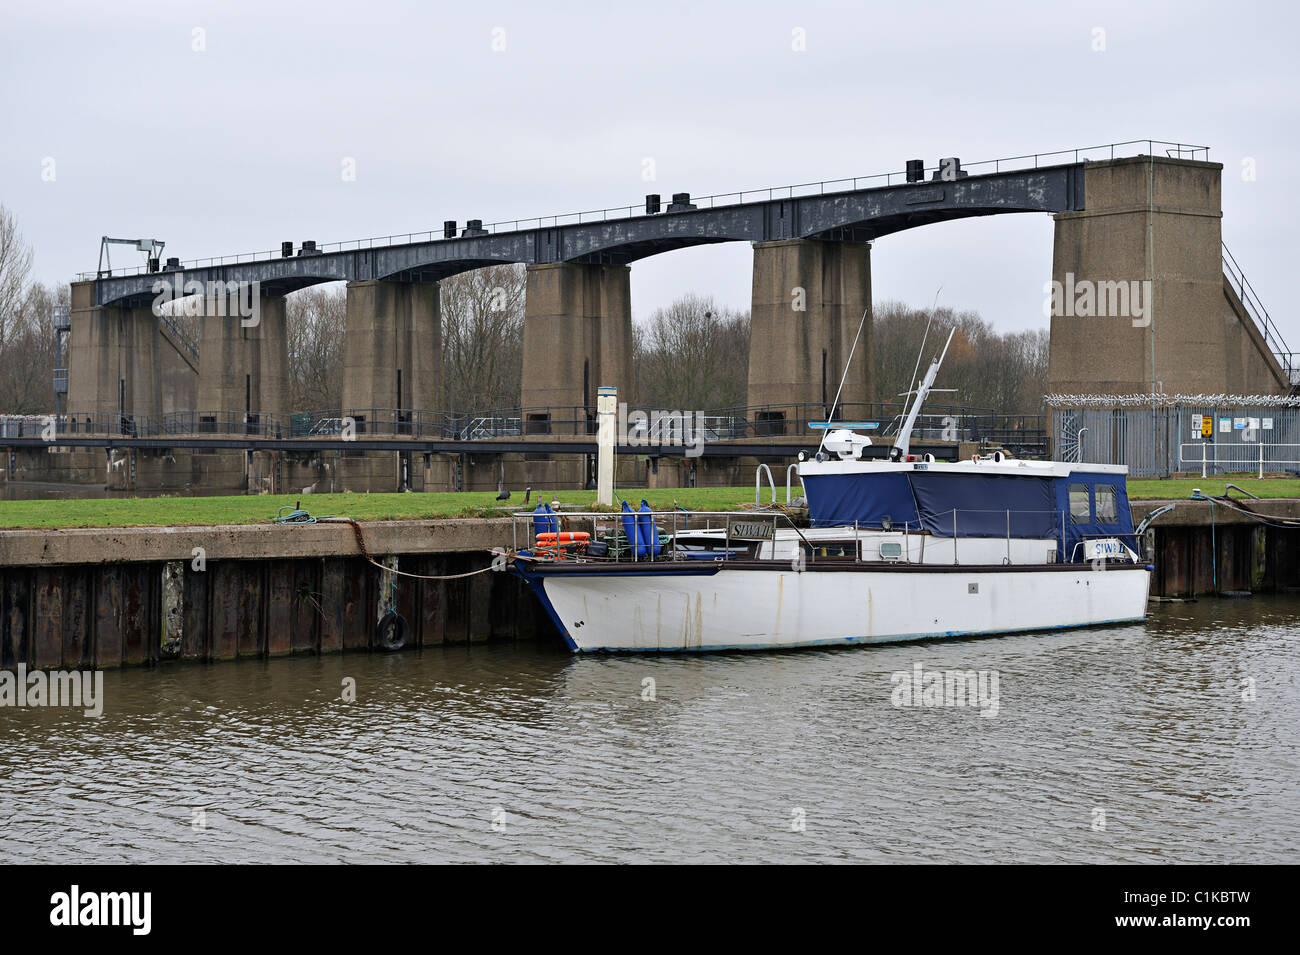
(577, 337)
(392, 349)
(808, 301)
(243, 368)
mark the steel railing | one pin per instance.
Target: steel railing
(184, 337)
(1238, 458)
(744, 534)
(1272, 335)
(1019, 432)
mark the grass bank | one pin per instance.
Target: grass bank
(258, 509)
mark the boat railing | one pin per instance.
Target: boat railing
(607, 536)
(674, 535)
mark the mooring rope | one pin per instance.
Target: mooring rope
(1268, 519)
(299, 516)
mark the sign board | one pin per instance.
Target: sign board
(1104, 549)
(753, 530)
(1225, 424)
(1207, 427)
(1268, 424)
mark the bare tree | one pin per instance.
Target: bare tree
(15, 265)
(315, 319)
(29, 354)
(482, 338)
(693, 355)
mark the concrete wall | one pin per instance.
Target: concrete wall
(392, 327)
(1153, 218)
(577, 328)
(799, 355)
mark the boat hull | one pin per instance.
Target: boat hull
(679, 607)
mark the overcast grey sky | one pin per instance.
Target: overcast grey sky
(240, 145)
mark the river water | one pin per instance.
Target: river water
(1126, 744)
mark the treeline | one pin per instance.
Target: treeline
(692, 355)
(1004, 372)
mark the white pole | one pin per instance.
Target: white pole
(606, 407)
(1261, 460)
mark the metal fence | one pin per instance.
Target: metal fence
(1245, 434)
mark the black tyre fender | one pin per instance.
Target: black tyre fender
(390, 633)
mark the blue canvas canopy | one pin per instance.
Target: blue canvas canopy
(976, 505)
(837, 500)
(985, 505)
(1100, 509)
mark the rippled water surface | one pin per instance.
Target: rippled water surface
(525, 753)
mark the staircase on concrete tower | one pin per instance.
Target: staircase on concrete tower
(181, 339)
(1246, 303)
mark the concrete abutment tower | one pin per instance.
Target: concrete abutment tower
(122, 364)
(1156, 219)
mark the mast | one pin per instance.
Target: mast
(904, 439)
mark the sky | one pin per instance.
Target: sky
(228, 127)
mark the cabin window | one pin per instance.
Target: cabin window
(831, 549)
(1080, 504)
(1107, 504)
(891, 550)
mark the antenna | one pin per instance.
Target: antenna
(831, 417)
(911, 388)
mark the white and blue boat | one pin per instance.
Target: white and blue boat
(897, 548)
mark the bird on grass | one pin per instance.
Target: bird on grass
(505, 495)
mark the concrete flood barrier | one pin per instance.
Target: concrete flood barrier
(82, 598)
